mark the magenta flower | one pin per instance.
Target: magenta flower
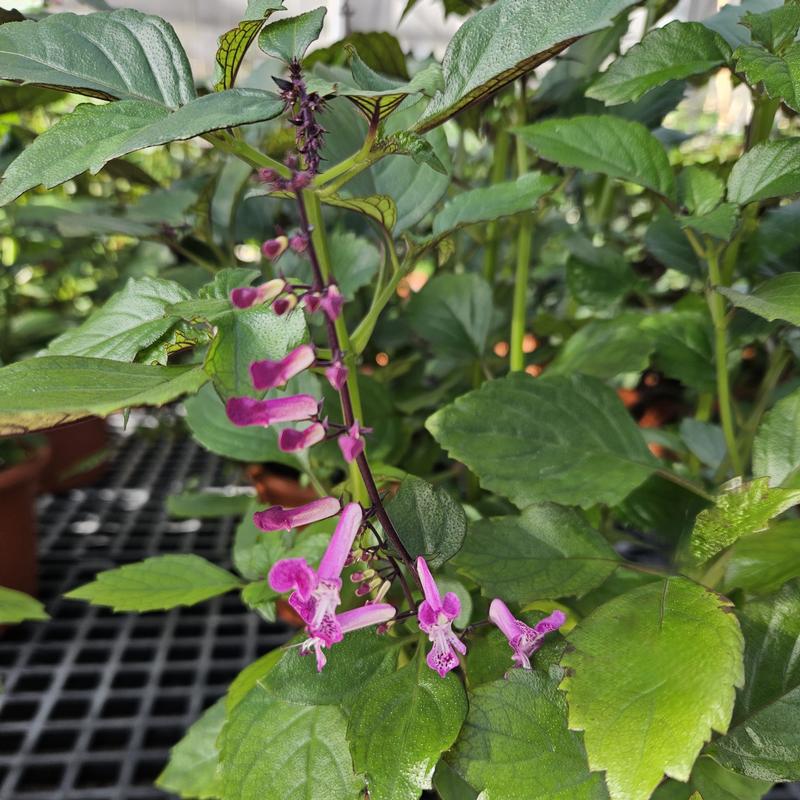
(273, 249)
(435, 617)
(332, 302)
(364, 617)
(284, 304)
(269, 374)
(298, 243)
(279, 518)
(351, 443)
(290, 440)
(524, 641)
(336, 374)
(315, 594)
(311, 300)
(246, 296)
(249, 411)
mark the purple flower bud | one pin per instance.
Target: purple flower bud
(273, 249)
(269, 374)
(351, 443)
(311, 300)
(362, 590)
(336, 374)
(244, 411)
(357, 577)
(332, 302)
(246, 296)
(290, 440)
(300, 181)
(267, 175)
(284, 304)
(298, 243)
(279, 518)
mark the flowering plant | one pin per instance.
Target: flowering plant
(553, 550)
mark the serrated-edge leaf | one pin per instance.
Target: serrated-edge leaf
(17, 607)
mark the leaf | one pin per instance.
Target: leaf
(276, 750)
(564, 439)
(207, 505)
(719, 223)
(453, 313)
(770, 169)
(668, 244)
(763, 741)
(17, 607)
(597, 276)
(505, 40)
(120, 54)
(778, 75)
(712, 782)
(776, 447)
(727, 21)
(678, 50)
(406, 143)
(380, 207)
(249, 677)
(613, 146)
(379, 50)
(400, 726)
(546, 552)
(762, 564)
(742, 509)
(700, 190)
(515, 744)
(192, 769)
(639, 670)
(778, 298)
(225, 281)
(157, 583)
(704, 440)
(428, 520)
(290, 37)
(774, 29)
(41, 392)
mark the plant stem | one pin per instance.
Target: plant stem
(668, 475)
(502, 146)
(239, 148)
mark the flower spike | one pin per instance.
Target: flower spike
(524, 640)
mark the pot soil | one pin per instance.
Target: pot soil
(80, 455)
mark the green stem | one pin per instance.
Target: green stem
(239, 148)
(502, 146)
(668, 475)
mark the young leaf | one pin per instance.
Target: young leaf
(762, 564)
(742, 509)
(400, 726)
(428, 520)
(700, 190)
(548, 551)
(678, 50)
(17, 607)
(719, 223)
(157, 583)
(597, 276)
(779, 75)
(639, 670)
(515, 744)
(52, 390)
(380, 207)
(613, 146)
(778, 298)
(776, 448)
(764, 738)
(290, 37)
(770, 169)
(528, 455)
(774, 29)
(120, 54)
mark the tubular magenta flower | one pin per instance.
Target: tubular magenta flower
(246, 296)
(336, 374)
(273, 249)
(524, 641)
(315, 594)
(290, 440)
(249, 411)
(332, 302)
(269, 374)
(351, 443)
(364, 617)
(279, 518)
(435, 617)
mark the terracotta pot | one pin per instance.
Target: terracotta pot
(275, 489)
(18, 556)
(80, 454)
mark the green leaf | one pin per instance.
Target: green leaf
(639, 670)
(742, 509)
(290, 37)
(719, 223)
(778, 298)
(774, 29)
(192, 771)
(762, 564)
(548, 551)
(114, 55)
(713, 782)
(704, 440)
(764, 738)
(157, 583)
(276, 750)
(528, 454)
(515, 744)
(727, 21)
(597, 276)
(400, 726)
(249, 677)
(700, 190)
(52, 390)
(379, 50)
(778, 75)
(678, 50)
(17, 607)
(407, 143)
(776, 448)
(453, 313)
(668, 244)
(380, 207)
(447, 783)
(207, 505)
(770, 169)
(428, 521)
(478, 61)
(613, 146)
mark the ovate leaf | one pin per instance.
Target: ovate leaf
(157, 583)
(380, 207)
(770, 169)
(776, 448)
(639, 670)
(711, 781)
(775, 28)
(778, 298)
(290, 37)
(762, 564)
(17, 606)
(779, 75)
(699, 189)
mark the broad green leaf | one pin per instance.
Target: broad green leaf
(157, 583)
(493, 202)
(249, 677)
(290, 37)
(515, 744)
(742, 509)
(120, 54)
(529, 454)
(775, 245)
(613, 146)
(779, 75)
(449, 785)
(52, 390)
(428, 520)
(713, 782)
(719, 223)
(379, 50)
(208, 504)
(678, 50)
(597, 276)
(770, 169)
(639, 671)
(762, 564)
(192, 771)
(704, 440)
(699, 189)
(548, 551)
(17, 606)
(778, 298)
(453, 313)
(478, 61)
(776, 28)
(400, 726)
(764, 738)
(276, 750)
(727, 21)
(380, 207)
(225, 281)
(776, 448)
(668, 244)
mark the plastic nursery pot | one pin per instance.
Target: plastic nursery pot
(79, 457)
(18, 487)
(278, 489)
